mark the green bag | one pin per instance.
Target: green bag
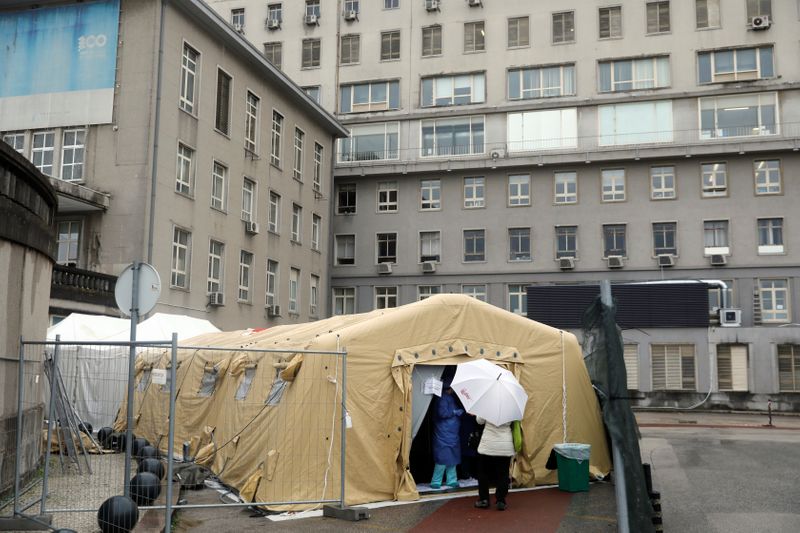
(516, 433)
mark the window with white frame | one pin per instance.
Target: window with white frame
(519, 190)
(460, 89)
(275, 12)
(630, 354)
(181, 258)
(294, 290)
(432, 41)
(474, 192)
(245, 277)
(370, 142)
(732, 367)
(369, 96)
(767, 174)
(518, 32)
(216, 261)
(477, 291)
(565, 187)
(316, 223)
(719, 297)
(313, 296)
(474, 245)
(742, 115)
(665, 238)
(662, 183)
(707, 14)
(299, 141)
(222, 117)
(541, 82)
(635, 123)
(426, 291)
(672, 366)
(519, 244)
(350, 51)
(313, 91)
(345, 250)
(770, 236)
(237, 19)
(251, 128)
(297, 223)
(313, 8)
(344, 300)
(474, 37)
(566, 241)
(758, 8)
(277, 133)
(345, 198)
(518, 299)
(613, 185)
(15, 141)
(189, 64)
(547, 129)
(614, 240)
(248, 200)
(385, 297)
(714, 179)
(390, 45)
(274, 218)
(715, 237)
(387, 197)
(610, 22)
(73, 149)
(273, 51)
(735, 64)
(312, 49)
(633, 74)
(452, 136)
(774, 296)
(564, 27)
(318, 156)
(386, 247)
(430, 246)
(184, 179)
(658, 16)
(219, 179)
(42, 150)
(271, 297)
(789, 367)
(430, 195)
(351, 5)
(68, 243)
(391, 4)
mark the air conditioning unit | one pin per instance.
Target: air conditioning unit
(428, 267)
(566, 263)
(251, 227)
(239, 28)
(730, 318)
(273, 310)
(384, 268)
(475, 3)
(216, 299)
(615, 261)
(312, 20)
(432, 5)
(718, 260)
(666, 260)
(497, 153)
(760, 23)
(273, 24)
(351, 15)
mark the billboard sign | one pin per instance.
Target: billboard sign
(57, 65)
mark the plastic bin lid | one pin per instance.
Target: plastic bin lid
(573, 450)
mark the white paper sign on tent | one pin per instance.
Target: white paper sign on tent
(432, 386)
(158, 376)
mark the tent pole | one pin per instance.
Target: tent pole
(344, 420)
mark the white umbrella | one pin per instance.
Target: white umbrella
(490, 392)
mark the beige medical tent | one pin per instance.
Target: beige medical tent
(285, 447)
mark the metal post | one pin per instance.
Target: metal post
(344, 424)
(131, 373)
(171, 432)
(20, 401)
(50, 423)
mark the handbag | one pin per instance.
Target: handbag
(516, 434)
(474, 438)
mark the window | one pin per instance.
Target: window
(42, 151)
(707, 14)
(350, 50)
(72, 152)
(275, 12)
(474, 245)
(714, 179)
(474, 37)
(318, 157)
(272, 283)
(657, 17)
(564, 27)
(662, 183)
(373, 96)
(370, 142)
(716, 298)
(387, 197)
(188, 78)
(248, 200)
(313, 92)
(767, 176)
(426, 291)
(732, 367)
(566, 241)
(715, 237)
(351, 5)
(614, 240)
(181, 258)
(474, 192)
(519, 190)
(274, 53)
(222, 118)
(738, 64)
(475, 291)
(69, 234)
(216, 255)
(429, 246)
(518, 32)
(431, 41)
(518, 299)
(299, 140)
(630, 354)
(15, 141)
(345, 198)
(316, 224)
(774, 296)
(251, 126)
(311, 53)
(387, 247)
(543, 130)
(297, 222)
(312, 8)
(453, 136)
(274, 219)
(610, 22)
(277, 132)
(770, 236)
(633, 74)
(613, 185)
(519, 244)
(664, 242)
(453, 90)
(541, 82)
(344, 300)
(758, 8)
(430, 194)
(566, 188)
(390, 45)
(738, 115)
(672, 366)
(345, 250)
(245, 280)
(219, 178)
(391, 4)
(294, 295)
(313, 296)
(789, 367)
(635, 123)
(385, 297)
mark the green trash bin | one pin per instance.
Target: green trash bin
(573, 466)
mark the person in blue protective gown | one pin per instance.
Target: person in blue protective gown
(446, 440)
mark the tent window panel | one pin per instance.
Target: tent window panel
(145, 381)
(246, 383)
(631, 355)
(276, 392)
(209, 381)
(166, 385)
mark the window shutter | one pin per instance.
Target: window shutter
(673, 367)
(724, 374)
(605, 24)
(687, 368)
(658, 364)
(739, 367)
(788, 368)
(631, 355)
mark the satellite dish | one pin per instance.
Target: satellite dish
(148, 293)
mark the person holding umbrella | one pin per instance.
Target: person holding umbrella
(494, 458)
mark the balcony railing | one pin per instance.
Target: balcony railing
(75, 284)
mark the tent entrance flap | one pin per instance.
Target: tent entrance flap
(419, 400)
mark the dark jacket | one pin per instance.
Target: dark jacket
(446, 423)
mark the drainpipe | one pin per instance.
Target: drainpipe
(156, 128)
